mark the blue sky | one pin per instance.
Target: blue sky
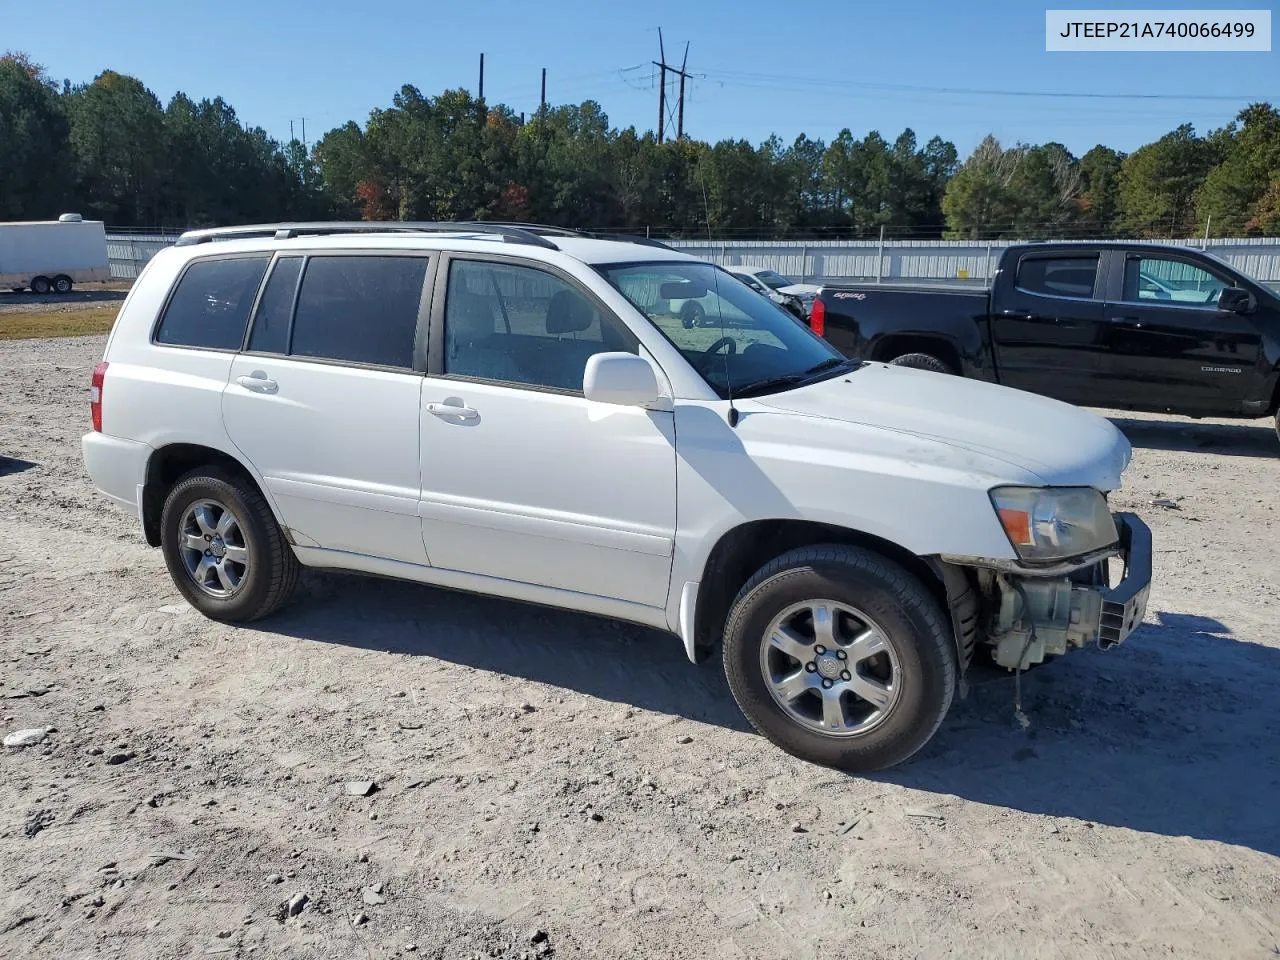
(761, 67)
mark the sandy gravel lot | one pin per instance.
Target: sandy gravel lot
(555, 785)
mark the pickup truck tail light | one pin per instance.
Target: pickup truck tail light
(95, 395)
(818, 317)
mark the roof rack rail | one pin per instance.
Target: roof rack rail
(549, 231)
(508, 233)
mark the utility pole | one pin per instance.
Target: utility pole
(683, 74)
(662, 85)
(304, 133)
(291, 136)
(481, 77)
(542, 103)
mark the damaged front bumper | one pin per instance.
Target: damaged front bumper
(1027, 615)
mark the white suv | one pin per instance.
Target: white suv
(516, 412)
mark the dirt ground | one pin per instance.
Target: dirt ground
(550, 784)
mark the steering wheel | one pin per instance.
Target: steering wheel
(703, 363)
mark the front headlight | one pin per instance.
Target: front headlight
(1054, 523)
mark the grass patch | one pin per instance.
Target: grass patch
(57, 323)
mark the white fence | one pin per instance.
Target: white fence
(816, 260)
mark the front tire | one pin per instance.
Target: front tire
(840, 657)
(921, 361)
(224, 549)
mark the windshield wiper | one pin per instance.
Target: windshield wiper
(793, 379)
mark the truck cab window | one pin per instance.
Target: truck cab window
(1170, 281)
(1058, 276)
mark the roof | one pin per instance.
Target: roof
(529, 240)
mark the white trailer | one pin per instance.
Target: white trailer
(53, 255)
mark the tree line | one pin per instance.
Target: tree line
(110, 149)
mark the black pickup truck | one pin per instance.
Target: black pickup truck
(1131, 326)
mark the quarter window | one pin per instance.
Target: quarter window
(210, 307)
(1058, 276)
(521, 325)
(359, 309)
(271, 323)
(1169, 281)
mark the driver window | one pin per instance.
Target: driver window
(1172, 282)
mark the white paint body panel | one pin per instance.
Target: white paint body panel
(547, 497)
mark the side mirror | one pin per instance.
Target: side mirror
(621, 378)
(1236, 300)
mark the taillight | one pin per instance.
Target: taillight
(818, 317)
(95, 395)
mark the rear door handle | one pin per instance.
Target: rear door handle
(1016, 315)
(453, 411)
(1132, 321)
(258, 382)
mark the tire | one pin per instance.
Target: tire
(40, 285)
(692, 315)
(918, 652)
(62, 284)
(260, 584)
(921, 361)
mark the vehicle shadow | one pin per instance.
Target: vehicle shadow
(1236, 439)
(1178, 734)
(621, 662)
(10, 465)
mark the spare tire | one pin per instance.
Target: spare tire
(921, 361)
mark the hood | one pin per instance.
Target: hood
(1061, 444)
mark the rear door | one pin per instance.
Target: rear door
(324, 400)
(1047, 322)
(1168, 344)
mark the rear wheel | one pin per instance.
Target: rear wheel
(62, 284)
(224, 549)
(921, 361)
(40, 285)
(692, 315)
(840, 657)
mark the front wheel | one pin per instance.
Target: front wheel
(921, 361)
(224, 549)
(840, 657)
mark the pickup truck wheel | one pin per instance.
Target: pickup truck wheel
(921, 361)
(62, 284)
(40, 285)
(840, 657)
(224, 549)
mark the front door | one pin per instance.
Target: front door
(1168, 344)
(325, 401)
(1046, 327)
(523, 479)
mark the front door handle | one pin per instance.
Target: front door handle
(1016, 315)
(457, 412)
(1132, 321)
(258, 382)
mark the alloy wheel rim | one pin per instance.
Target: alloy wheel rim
(215, 551)
(831, 668)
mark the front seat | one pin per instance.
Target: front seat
(470, 341)
(569, 314)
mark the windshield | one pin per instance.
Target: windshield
(730, 334)
(774, 280)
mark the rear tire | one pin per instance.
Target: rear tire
(40, 285)
(921, 361)
(245, 569)
(895, 675)
(62, 284)
(692, 315)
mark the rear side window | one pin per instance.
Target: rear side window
(1058, 276)
(271, 323)
(359, 309)
(210, 308)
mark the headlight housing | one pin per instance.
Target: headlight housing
(1054, 523)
